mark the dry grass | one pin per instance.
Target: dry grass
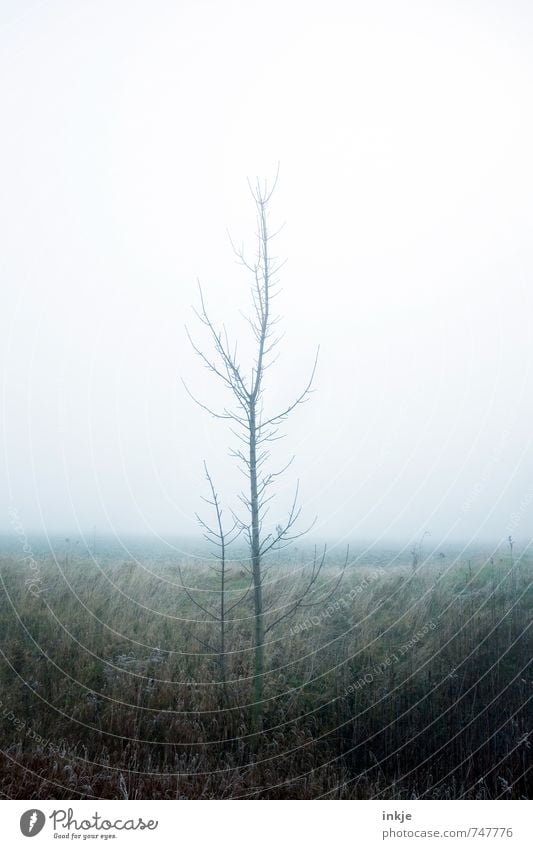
(411, 685)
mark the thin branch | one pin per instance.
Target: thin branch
(300, 602)
(194, 601)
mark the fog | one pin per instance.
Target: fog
(404, 134)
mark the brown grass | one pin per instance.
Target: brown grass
(413, 686)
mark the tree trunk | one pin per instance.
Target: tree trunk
(259, 623)
(223, 665)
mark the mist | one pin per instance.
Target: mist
(406, 198)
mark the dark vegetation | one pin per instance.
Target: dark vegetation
(407, 684)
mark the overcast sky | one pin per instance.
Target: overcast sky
(404, 134)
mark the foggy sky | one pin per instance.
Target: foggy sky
(404, 134)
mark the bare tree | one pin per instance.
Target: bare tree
(220, 539)
(256, 429)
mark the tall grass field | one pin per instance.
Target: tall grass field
(409, 683)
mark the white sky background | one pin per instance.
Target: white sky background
(405, 136)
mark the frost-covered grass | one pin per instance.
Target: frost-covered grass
(407, 684)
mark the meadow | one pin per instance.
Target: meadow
(409, 683)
